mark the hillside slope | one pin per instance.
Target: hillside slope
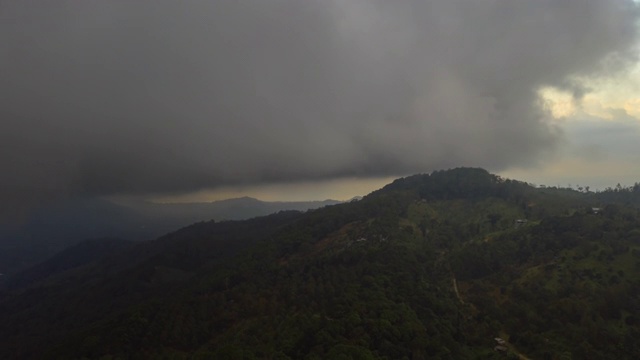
(51, 228)
(431, 266)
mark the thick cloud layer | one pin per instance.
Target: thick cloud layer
(104, 97)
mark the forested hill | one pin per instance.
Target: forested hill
(430, 267)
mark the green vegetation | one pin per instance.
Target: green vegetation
(429, 267)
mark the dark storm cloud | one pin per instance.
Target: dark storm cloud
(105, 97)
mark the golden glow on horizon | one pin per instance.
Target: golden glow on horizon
(338, 189)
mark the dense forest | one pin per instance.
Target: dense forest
(456, 264)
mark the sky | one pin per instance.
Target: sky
(292, 100)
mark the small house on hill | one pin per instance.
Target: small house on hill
(520, 222)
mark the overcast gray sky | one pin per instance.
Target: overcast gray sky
(166, 97)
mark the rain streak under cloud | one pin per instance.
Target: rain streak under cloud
(120, 97)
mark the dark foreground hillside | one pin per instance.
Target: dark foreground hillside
(429, 267)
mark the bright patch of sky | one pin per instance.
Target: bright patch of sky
(601, 135)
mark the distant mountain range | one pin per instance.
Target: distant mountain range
(52, 228)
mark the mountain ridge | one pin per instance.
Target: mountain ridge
(51, 229)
